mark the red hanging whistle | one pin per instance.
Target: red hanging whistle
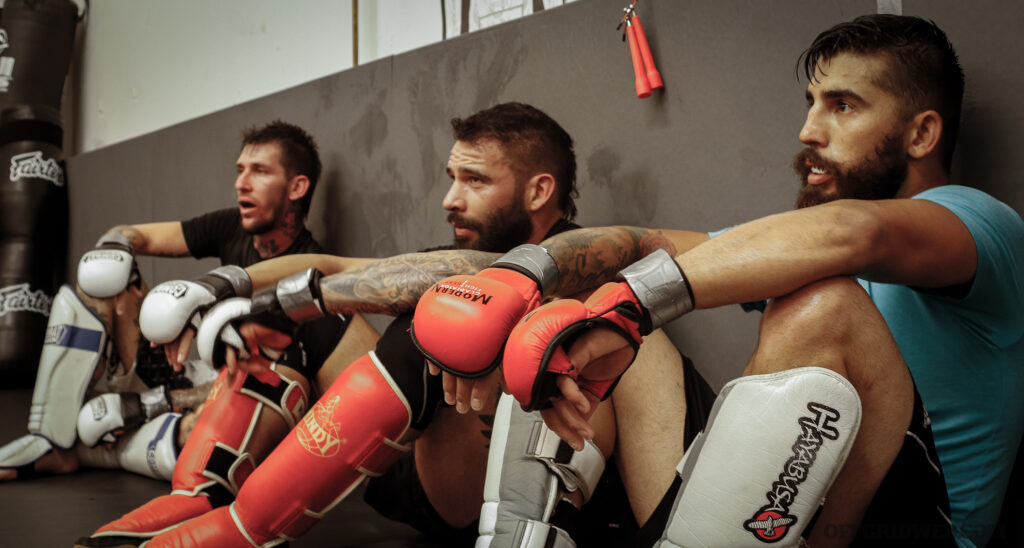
(645, 73)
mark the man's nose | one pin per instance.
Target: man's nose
(453, 199)
(813, 133)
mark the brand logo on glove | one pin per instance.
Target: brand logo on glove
(463, 290)
(98, 408)
(102, 254)
(317, 432)
(176, 290)
(772, 521)
(19, 298)
(32, 165)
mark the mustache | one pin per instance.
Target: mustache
(807, 157)
(456, 219)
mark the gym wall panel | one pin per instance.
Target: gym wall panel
(712, 149)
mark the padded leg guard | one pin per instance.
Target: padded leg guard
(764, 463)
(75, 341)
(22, 453)
(527, 467)
(214, 462)
(349, 434)
(150, 451)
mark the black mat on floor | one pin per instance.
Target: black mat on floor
(54, 511)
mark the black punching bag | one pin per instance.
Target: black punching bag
(33, 234)
(36, 42)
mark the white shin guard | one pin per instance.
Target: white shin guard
(759, 471)
(151, 451)
(75, 341)
(527, 468)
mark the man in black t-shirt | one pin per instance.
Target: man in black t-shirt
(278, 169)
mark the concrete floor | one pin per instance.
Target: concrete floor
(54, 511)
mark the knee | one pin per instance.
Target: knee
(831, 307)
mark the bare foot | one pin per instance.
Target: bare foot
(58, 461)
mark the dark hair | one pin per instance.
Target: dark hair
(923, 69)
(299, 153)
(533, 142)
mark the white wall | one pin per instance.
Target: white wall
(148, 64)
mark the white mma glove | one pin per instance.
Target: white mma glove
(172, 306)
(109, 268)
(105, 414)
(296, 299)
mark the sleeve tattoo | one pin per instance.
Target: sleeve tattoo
(589, 257)
(393, 285)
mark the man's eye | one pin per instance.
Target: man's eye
(845, 107)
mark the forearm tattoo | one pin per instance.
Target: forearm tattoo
(189, 398)
(393, 285)
(138, 240)
(589, 257)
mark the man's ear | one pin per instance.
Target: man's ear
(923, 134)
(298, 186)
(540, 190)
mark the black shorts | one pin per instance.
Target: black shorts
(911, 506)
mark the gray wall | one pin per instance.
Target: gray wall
(711, 150)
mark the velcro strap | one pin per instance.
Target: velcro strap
(287, 398)
(576, 469)
(380, 456)
(228, 467)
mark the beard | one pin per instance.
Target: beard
(280, 216)
(877, 178)
(260, 228)
(499, 232)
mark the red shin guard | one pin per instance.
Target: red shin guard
(214, 462)
(348, 435)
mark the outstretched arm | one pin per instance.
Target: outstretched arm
(163, 239)
(393, 285)
(268, 272)
(911, 242)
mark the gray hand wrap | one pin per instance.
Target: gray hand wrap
(660, 286)
(534, 261)
(299, 296)
(236, 277)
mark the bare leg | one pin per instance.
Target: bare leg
(120, 315)
(360, 337)
(833, 324)
(650, 411)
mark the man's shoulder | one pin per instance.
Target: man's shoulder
(974, 206)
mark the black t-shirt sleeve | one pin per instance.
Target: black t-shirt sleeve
(204, 234)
